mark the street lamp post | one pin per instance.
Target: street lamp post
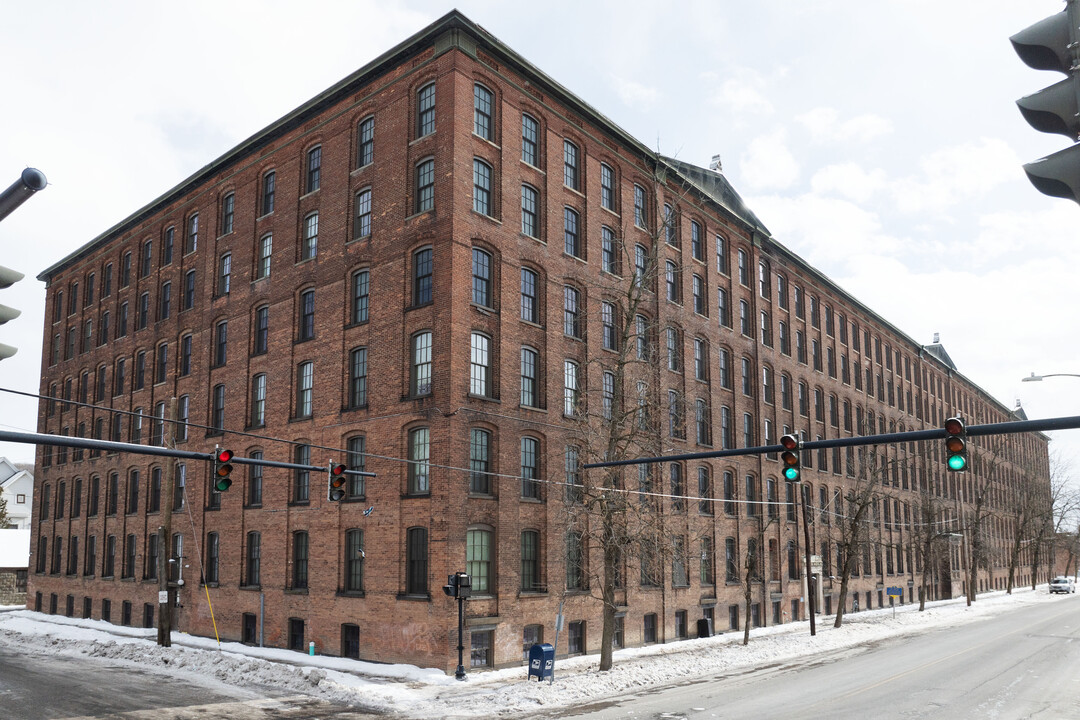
(1038, 378)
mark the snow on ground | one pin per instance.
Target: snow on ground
(423, 692)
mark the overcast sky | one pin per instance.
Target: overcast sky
(878, 140)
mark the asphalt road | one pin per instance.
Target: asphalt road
(1023, 664)
(46, 687)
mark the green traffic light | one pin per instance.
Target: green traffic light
(223, 484)
(791, 473)
(957, 462)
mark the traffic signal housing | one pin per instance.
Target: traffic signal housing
(222, 469)
(1054, 44)
(335, 482)
(955, 445)
(790, 457)
(458, 585)
(8, 277)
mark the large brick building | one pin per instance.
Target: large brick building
(412, 271)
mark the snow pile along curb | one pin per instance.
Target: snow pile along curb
(424, 692)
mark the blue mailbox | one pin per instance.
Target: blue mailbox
(541, 661)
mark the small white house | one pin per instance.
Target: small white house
(17, 487)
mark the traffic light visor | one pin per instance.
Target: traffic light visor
(954, 426)
(224, 456)
(955, 444)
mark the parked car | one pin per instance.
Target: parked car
(1062, 584)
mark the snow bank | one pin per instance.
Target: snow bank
(426, 692)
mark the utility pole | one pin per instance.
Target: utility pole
(166, 593)
(810, 591)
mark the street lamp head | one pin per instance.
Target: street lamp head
(1032, 378)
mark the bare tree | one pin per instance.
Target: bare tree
(859, 501)
(3, 512)
(618, 413)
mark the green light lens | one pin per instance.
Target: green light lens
(957, 462)
(791, 473)
(223, 484)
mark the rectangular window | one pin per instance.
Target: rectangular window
(144, 267)
(530, 138)
(189, 291)
(416, 561)
(570, 388)
(221, 343)
(302, 477)
(530, 484)
(314, 169)
(425, 110)
(572, 240)
(483, 113)
(366, 142)
(422, 271)
(609, 251)
(425, 186)
(481, 278)
(355, 459)
(309, 246)
(481, 187)
(419, 453)
(421, 364)
(479, 465)
(529, 217)
(268, 190)
(228, 210)
(225, 274)
(305, 379)
(191, 241)
(300, 561)
(570, 165)
(607, 187)
(258, 400)
(306, 329)
(262, 264)
(360, 296)
(358, 378)
(362, 218)
(479, 366)
(641, 213)
(571, 312)
(529, 308)
(354, 561)
(260, 341)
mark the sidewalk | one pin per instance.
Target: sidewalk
(429, 692)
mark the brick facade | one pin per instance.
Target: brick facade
(397, 609)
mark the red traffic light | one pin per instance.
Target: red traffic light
(335, 482)
(954, 426)
(790, 442)
(222, 469)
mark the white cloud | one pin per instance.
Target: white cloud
(767, 163)
(744, 93)
(848, 180)
(956, 173)
(825, 126)
(634, 94)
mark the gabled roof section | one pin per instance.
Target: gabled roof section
(938, 350)
(716, 187)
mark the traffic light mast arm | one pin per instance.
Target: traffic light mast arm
(1005, 428)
